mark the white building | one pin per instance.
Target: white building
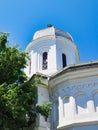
(72, 86)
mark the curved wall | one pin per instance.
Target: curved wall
(76, 94)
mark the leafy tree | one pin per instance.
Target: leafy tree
(12, 61)
(17, 105)
(44, 109)
(18, 97)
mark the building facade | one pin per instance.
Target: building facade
(72, 87)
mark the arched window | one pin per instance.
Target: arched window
(81, 103)
(63, 60)
(66, 106)
(44, 62)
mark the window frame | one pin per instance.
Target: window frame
(64, 62)
(45, 60)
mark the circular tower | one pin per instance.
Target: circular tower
(50, 50)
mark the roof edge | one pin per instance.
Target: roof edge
(75, 67)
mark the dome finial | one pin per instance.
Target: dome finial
(49, 25)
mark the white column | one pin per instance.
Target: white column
(72, 107)
(36, 59)
(33, 63)
(90, 106)
(60, 110)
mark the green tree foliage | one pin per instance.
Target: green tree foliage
(12, 61)
(17, 105)
(18, 97)
(44, 109)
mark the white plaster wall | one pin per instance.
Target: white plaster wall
(36, 51)
(50, 48)
(54, 46)
(74, 94)
(77, 98)
(43, 96)
(69, 49)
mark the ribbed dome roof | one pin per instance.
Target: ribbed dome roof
(52, 31)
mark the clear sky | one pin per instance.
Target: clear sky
(78, 17)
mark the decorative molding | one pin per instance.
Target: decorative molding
(69, 74)
(65, 90)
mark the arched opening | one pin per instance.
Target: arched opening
(63, 60)
(81, 102)
(44, 62)
(66, 106)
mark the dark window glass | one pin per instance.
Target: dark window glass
(64, 60)
(44, 63)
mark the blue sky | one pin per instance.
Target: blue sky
(78, 17)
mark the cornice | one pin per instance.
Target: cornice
(74, 67)
(79, 123)
(75, 87)
(74, 72)
(38, 41)
(48, 38)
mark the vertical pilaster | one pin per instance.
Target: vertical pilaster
(90, 105)
(72, 107)
(60, 110)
